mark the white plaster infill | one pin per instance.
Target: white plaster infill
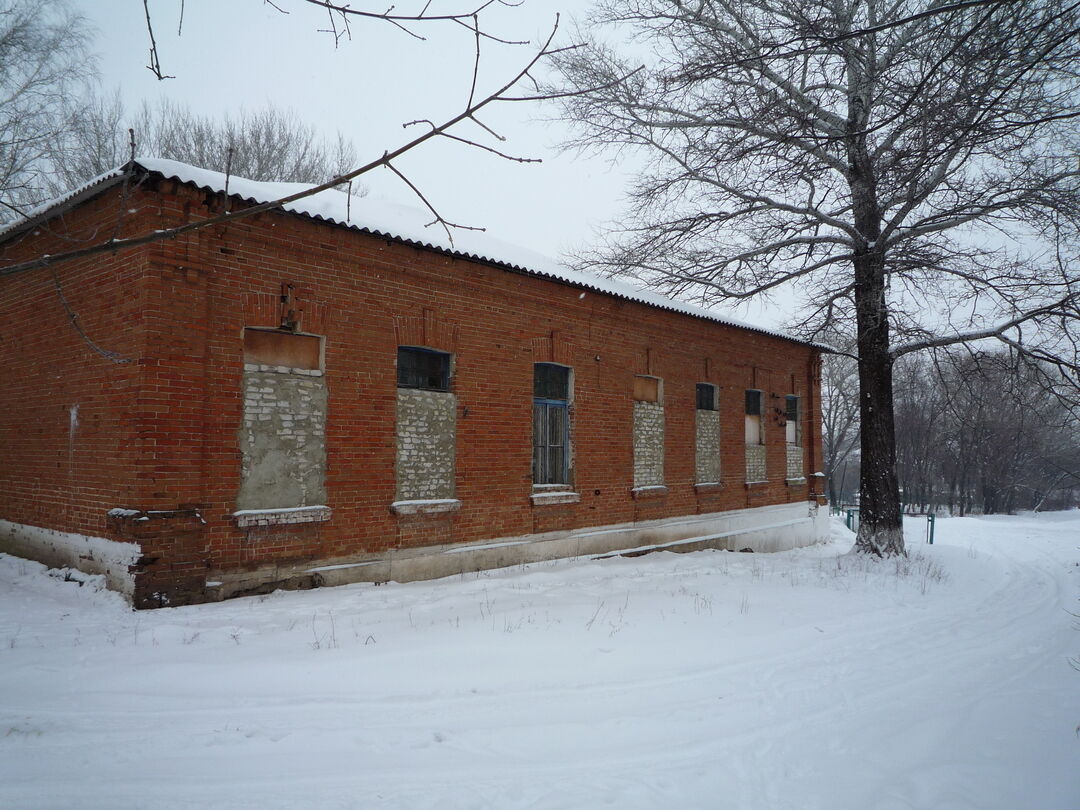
(285, 515)
(425, 507)
(552, 497)
(655, 491)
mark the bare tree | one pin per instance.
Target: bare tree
(264, 144)
(44, 58)
(411, 19)
(465, 128)
(977, 431)
(909, 168)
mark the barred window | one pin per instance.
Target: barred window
(706, 397)
(423, 368)
(551, 424)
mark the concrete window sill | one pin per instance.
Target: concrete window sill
(279, 517)
(430, 507)
(709, 486)
(795, 482)
(647, 493)
(750, 484)
(553, 497)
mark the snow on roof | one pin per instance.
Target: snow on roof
(403, 223)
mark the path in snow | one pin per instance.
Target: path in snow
(806, 680)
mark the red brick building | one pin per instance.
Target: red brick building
(333, 393)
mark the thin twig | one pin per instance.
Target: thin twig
(155, 65)
(439, 219)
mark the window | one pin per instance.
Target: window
(426, 428)
(423, 368)
(648, 433)
(755, 438)
(707, 435)
(283, 435)
(754, 409)
(551, 424)
(706, 397)
(791, 417)
(793, 435)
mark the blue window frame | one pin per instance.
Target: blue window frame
(551, 424)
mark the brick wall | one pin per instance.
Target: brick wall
(161, 433)
(73, 422)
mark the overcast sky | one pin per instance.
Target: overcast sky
(236, 53)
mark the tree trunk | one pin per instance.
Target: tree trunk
(880, 525)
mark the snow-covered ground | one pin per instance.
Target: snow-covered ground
(802, 680)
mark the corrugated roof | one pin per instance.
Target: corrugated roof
(401, 223)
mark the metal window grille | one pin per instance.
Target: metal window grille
(706, 397)
(551, 381)
(423, 368)
(551, 424)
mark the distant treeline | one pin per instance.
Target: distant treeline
(976, 432)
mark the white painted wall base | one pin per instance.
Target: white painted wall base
(762, 529)
(92, 555)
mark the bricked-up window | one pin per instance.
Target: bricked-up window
(283, 435)
(551, 424)
(755, 437)
(791, 418)
(706, 397)
(793, 431)
(754, 434)
(707, 435)
(648, 432)
(423, 368)
(426, 426)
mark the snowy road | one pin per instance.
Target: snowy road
(801, 680)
